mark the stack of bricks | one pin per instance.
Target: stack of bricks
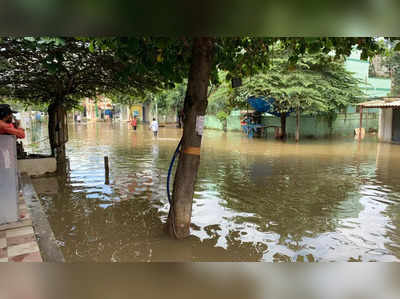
(17, 240)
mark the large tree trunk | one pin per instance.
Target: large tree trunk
(195, 105)
(283, 125)
(51, 110)
(58, 133)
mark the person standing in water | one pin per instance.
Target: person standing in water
(134, 123)
(154, 127)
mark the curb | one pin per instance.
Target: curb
(49, 249)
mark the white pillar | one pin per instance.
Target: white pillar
(385, 125)
(8, 180)
(127, 112)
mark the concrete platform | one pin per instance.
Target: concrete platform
(37, 167)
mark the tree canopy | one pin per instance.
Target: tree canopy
(171, 100)
(169, 58)
(391, 61)
(38, 70)
(316, 84)
(44, 69)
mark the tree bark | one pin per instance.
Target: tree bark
(52, 127)
(283, 126)
(195, 105)
(297, 125)
(58, 133)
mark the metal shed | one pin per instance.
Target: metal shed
(389, 117)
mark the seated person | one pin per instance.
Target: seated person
(6, 125)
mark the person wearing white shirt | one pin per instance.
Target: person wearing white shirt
(17, 116)
(18, 119)
(154, 127)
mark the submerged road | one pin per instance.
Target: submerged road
(255, 200)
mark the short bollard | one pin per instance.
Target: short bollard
(107, 170)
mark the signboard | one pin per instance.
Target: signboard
(200, 125)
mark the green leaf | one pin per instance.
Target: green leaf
(397, 47)
(364, 54)
(91, 47)
(52, 68)
(59, 41)
(30, 39)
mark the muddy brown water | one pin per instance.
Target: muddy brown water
(255, 200)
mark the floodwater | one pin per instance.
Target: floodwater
(255, 200)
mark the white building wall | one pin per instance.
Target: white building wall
(149, 112)
(124, 112)
(170, 118)
(385, 125)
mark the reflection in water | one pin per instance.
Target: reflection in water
(255, 200)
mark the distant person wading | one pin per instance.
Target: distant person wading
(154, 127)
(134, 123)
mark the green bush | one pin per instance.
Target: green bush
(222, 116)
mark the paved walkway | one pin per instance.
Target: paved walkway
(17, 240)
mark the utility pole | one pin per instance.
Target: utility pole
(156, 109)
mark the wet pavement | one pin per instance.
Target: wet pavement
(255, 200)
(18, 242)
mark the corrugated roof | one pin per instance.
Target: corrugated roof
(385, 102)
